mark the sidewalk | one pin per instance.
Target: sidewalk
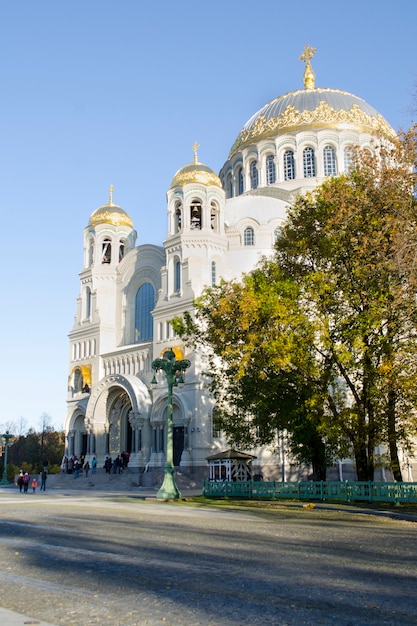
(10, 618)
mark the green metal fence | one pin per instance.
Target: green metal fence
(346, 491)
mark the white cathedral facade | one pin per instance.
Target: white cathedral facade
(218, 227)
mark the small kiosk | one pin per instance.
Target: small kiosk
(231, 465)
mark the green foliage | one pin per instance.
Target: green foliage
(351, 245)
(262, 374)
(31, 451)
(320, 340)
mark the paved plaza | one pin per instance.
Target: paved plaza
(75, 559)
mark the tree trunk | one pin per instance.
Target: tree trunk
(318, 460)
(392, 436)
(364, 469)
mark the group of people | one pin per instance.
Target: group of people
(24, 481)
(117, 465)
(76, 466)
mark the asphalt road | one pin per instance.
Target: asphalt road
(79, 559)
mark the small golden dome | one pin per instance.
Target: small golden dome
(110, 214)
(196, 173)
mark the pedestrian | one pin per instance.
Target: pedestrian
(94, 465)
(34, 484)
(44, 476)
(108, 464)
(77, 468)
(20, 481)
(86, 468)
(26, 481)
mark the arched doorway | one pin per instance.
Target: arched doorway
(80, 437)
(119, 427)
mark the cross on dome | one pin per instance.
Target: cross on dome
(309, 75)
(195, 148)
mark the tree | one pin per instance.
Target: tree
(321, 339)
(259, 362)
(352, 246)
(33, 449)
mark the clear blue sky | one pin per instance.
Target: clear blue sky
(99, 92)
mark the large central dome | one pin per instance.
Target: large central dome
(311, 108)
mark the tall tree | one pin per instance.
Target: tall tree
(352, 246)
(261, 368)
(322, 338)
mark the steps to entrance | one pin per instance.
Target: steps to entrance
(130, 481)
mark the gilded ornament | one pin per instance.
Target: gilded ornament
(323, 116)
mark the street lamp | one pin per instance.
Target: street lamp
(174, 371)
(6, 436)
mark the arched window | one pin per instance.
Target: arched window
(289, 165)
(240, 180)
(90, 252)
(309, 163)
(249, 237)
(122, 248)
(145, 303)
(277, 234)
(78, 380)
(347, 159)
(270, 170)
(177, 276)
(229, 186)
(106, 251)
(195, 215)
(213, 273)
(178, 217)
(253, 175)
(88, 303)
(214, 213)
(329, 161)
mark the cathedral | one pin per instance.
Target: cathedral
(219, 225)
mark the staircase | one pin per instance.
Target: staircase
(130, 481)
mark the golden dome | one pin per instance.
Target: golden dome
(195, 173)
(110, 214)
(311, 109)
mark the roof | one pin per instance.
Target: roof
(230, 454)
(311, 109)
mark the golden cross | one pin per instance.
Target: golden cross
(309, 75)
(111, 189)
(308, 54)
(195, 148)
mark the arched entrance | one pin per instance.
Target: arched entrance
(119, 428)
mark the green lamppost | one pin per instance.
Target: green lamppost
(174, 371)
(6, 436)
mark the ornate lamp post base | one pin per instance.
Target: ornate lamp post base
(168, 489)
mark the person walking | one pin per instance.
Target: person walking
(26, 481)
(44, 476)
(34, 484)
(86, 468)
(20, 481)
(94, 465)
